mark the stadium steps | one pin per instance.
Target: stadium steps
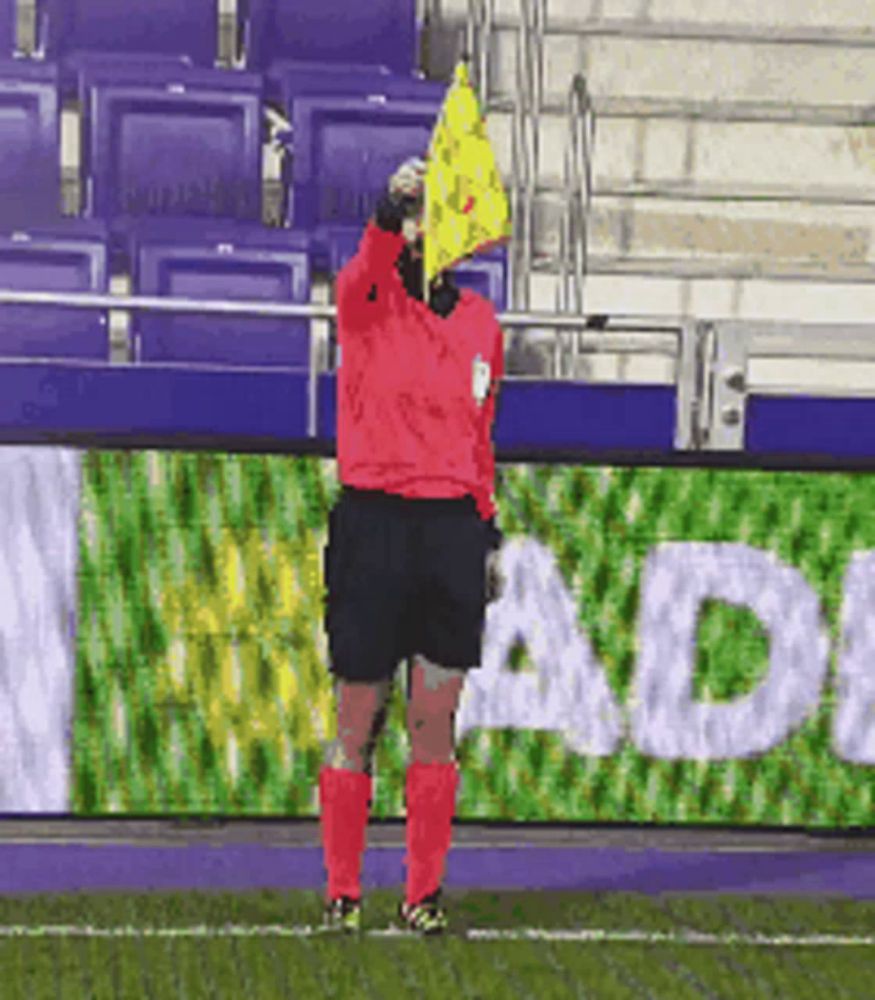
(707, 69)
(664, 288)
(745, 17)
(753, 189)
(699, 205)
(842, 21)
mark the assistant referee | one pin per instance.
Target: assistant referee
(411, 560)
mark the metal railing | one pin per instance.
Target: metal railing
(525, 148)
(241, 307)
(478, 39)
(522, 187)
(478, 44)
(712, 375)
(574, 232)
(578, 191)
(524, 127)
(533, 16)
(728, 372)
(629, 334)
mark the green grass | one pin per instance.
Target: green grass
(273, 967)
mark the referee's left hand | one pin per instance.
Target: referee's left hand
(495, 578)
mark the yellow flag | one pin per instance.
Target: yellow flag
(466, 207)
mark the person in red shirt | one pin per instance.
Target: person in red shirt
(411, 560)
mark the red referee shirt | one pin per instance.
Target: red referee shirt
(415, 391)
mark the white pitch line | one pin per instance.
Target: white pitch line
(582, 936)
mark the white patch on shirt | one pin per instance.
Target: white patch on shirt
(482, 375)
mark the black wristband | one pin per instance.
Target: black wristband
(390, 214)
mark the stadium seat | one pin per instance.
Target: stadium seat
(207, 260)
(142, 71)
(67, 256)
(30, 134)
(8, 14)
(484, 273)
(77, 31)
(290, 79)
(345, 150)
(134, 71)
(114, 68)
(186, 148)
(379, 32)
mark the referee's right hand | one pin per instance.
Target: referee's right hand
(408, 181)
(400, 210)
(407, 186)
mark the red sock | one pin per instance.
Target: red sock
(431, 803)
(345, 797)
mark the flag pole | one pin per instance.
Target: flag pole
(424, 252)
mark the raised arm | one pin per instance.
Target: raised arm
(361, 279)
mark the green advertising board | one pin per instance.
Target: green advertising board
(674, 645)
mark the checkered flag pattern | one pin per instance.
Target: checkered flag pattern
(466, 207)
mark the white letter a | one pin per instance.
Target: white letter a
(569, 692)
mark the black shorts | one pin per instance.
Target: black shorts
(403, 577)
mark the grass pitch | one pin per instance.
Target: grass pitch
(509, 944)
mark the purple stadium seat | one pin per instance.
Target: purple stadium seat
(133, 71)
(117, 67)
(68, 256)
(214, 261)
(183, 30)
(30, 135)
(7, 28)
(137, 71)
(345, 150)
(292, 79)
(381, 32)
(186, 148)
(484, 273)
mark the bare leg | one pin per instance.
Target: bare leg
(361, 713)
(431, 710)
